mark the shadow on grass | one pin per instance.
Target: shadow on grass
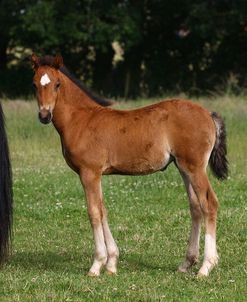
(134, 262)
(79, 263)
(51, 261)
(139, 264)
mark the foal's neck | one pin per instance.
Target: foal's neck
(71, 100)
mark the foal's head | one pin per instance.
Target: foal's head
(46, 82)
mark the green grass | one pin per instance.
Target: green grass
(148, 215)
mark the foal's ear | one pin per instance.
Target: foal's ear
(35, 61)
(58, 61)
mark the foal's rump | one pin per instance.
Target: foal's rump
(191, 134)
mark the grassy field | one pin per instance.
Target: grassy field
(148, 215)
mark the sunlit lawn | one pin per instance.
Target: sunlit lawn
(149, 217)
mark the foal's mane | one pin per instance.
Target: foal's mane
(50, 61)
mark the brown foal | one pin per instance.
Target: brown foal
(97, 140)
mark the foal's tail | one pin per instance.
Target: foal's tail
(6, 196)
(218, 161)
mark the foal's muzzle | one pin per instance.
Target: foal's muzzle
(45, 116)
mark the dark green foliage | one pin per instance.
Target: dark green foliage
(177, 45)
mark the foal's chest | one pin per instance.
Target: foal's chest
(69, 159)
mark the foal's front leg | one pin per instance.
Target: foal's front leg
(112, 249)
(106, 250)
(92, 188)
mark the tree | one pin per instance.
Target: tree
(10, 12)
(168, 46)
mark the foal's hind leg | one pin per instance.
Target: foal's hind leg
(209, 205)
(196, 215)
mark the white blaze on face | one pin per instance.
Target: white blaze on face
(45, 80)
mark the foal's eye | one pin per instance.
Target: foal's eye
(57, 85)
(34, 86)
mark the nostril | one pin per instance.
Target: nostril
(45, 116)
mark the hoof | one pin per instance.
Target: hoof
(201, 275)
(207, 267)
(93, 274)
(111, 273)
(182, 270)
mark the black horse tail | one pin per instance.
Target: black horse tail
(6, 194)
(218, 161)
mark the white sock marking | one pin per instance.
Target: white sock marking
(210, 256)
(210, 247)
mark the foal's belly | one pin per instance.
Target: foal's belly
(134, 165)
